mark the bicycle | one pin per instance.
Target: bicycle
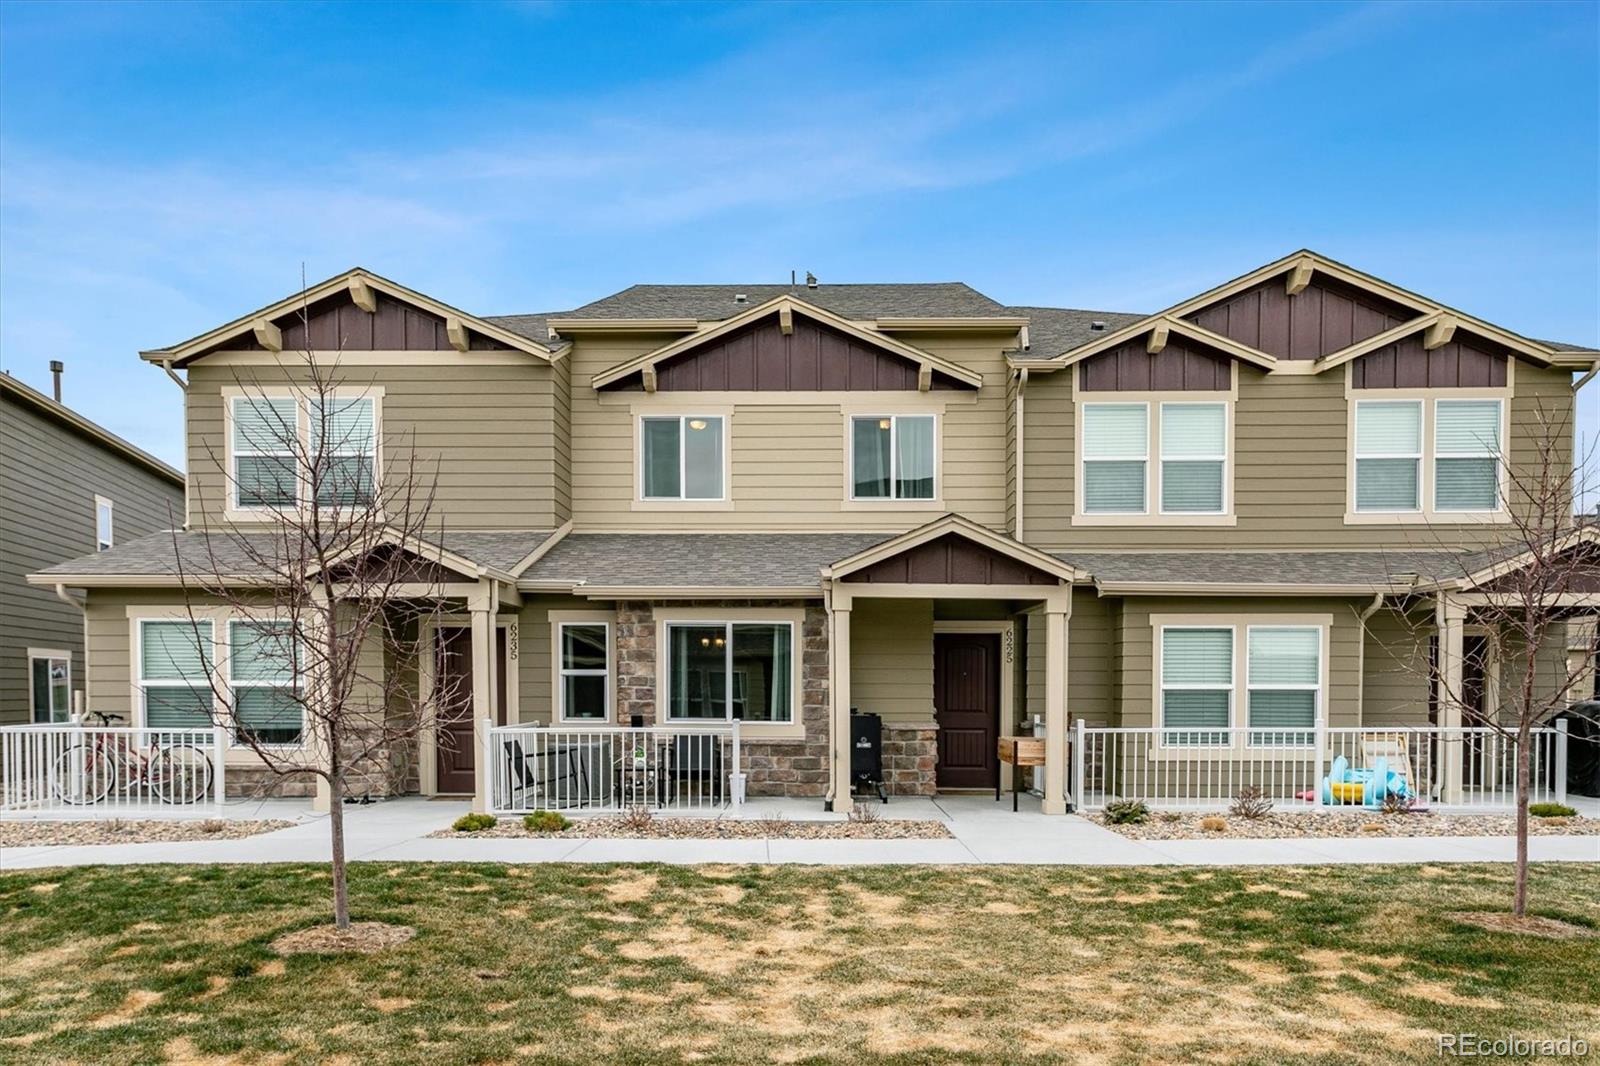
(87, 771)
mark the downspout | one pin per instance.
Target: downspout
(1361, 658)
(183, 386)
(64, 596)
(1594, 368)
(1022, 384)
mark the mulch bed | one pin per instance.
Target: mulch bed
(1530, 924)
(1174, 826)
(362, 938)
(128, 831)
(619, 828)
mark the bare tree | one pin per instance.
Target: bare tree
(328, 596)
(1539, 570)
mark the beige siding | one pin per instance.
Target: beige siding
(535, 669)
(1090, 660)
(493, 432)
(786, 460)
(1396, 683)
(891, 659)
(1290, 468)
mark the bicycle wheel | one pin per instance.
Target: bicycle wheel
(181, 774)
(83, 774)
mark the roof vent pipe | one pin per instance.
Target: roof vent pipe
(740, 298)
(1097, 326)
(56, 367)
(811, 280)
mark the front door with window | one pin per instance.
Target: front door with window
(966, 705)
(455, 752)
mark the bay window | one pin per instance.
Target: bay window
(720, 671)
(892, 457)
(681, 457)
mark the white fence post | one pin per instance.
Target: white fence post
(736, 776)
(1561, 760)
(1319, 758)
(491, 770)
(1077, 765)
(219, 757)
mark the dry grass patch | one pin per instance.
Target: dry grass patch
(1529, 925)
(362, 938)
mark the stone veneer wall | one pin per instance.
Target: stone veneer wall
(910, 754)
(776, 767)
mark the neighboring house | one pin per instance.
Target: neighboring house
(690, 503)
(67, 488)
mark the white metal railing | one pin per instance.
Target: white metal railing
(110, 771)
(610, 768)
(1470, 767)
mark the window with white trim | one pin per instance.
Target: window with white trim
(1388, 455)
(175, 660)
(584, 671)
(264, 681)
(1116, 453)
(265, 431)
(681, 457)
(892, 457)
(1196, 685)
(1466, 455)
(104, 524)
(344, 447)
(720, 671)
(1284, 678)
(1194, 458)
(50, 686)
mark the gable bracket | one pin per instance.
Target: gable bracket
(786, 320)
(456, 331)
(1440, 333)
(1158, 338)
(1299, 277)
(362, 296)
(268, 335)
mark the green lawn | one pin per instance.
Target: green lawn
(742, 964)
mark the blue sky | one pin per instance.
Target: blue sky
(164, 168)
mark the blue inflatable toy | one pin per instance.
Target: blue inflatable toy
(1368, 787)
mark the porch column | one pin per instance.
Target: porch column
(485, 663)
(839, 700)
(1450, 617)
(1056, 612)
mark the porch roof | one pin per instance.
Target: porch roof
(1255, 571)
(695, 561)
(160, 557)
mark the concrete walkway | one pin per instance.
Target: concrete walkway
(983, 832)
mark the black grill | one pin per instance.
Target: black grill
(866, 754)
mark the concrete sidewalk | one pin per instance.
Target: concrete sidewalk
(984, 832)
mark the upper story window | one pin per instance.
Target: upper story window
(681, 457)
(1408, 463)
(104, 532)
(892, 457)
(1190, 440)
(339, 436)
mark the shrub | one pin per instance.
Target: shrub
(1551, 810)
(1394, 803)
(1214, 823)
(638, 819)
(542, 821)
(1127, 812)
(775, 824)
(213, 826)
(473, 823)
(1170, 817)
(865, 814)
(1250, 802)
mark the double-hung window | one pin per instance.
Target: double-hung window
(718, 671)
(1389, 455)
(892, 457)
(50, 681)
(175, 659)
(344, 447)
(1196, 685)
(1116, 453)
(1194, 458)
(265, 432)
(264, 678)
(681, 457)
(584, 670)
(1285, 684)
(1466, 455)
(104, 525)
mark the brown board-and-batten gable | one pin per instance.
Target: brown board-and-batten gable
(1181, 366)
(1462, 363)
(335, 323)
(1324, 317)
(813, 356)
(951, 559)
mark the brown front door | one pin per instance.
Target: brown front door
(455, 751)
(966, 704)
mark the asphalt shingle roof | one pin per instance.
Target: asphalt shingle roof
(1367, 569)
(717, 560)
(952, 299)
(1054, 330)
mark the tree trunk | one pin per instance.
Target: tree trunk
(1519, 898)
(336, 790)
